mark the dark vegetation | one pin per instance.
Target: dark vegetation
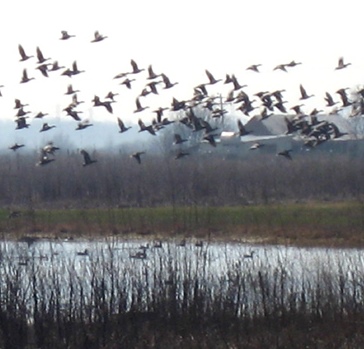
(108, 307)
(174, 299)
(202, 178)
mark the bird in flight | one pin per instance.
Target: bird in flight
(65, 35)
(122, 126)
(98, 37)
(286, 154)
(341, 64)
(25, 77)
(86, 158)
(40, 56)
(23, 55)
(137, 157)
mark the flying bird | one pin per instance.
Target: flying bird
(127, 82)
(211, 78)
(43, 68)
(40, 56)
(181, 154)
(242, 130)
(86, 158)
(19, 104)
(329, 100)
(122, 126)
(178, 139)
(44, 159)
(16, 146)
(65, 35)
(46, 127)
(286, 154)
(139, 106)
(341, 64)
(70, 90)
(143, 127)
(137, 157)
(167, 83)
(292, 64)
(55, 66)
(49, 148)
(151, 74)
(135, 67)
(82, 125)
(21, 123)
(304, 94)
(98, 37)
(111, 95)
(25, 77)
(23, 55)
(254, 67)
(280, 67)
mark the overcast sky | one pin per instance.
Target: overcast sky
(180, 39)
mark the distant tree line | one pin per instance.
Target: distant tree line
(116, 179)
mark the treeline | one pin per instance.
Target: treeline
(209, 178)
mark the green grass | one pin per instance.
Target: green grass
(296, 222)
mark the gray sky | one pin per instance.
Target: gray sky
(180, 39)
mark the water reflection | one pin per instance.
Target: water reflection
(141, 270)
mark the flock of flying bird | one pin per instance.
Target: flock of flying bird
(267, 103)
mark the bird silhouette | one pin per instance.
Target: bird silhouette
(242, 130)
(46, 127)
(139, 106)
(84, 253)
(83, 125)
(23, 55)
(254, 67)
(137, 157)
(286, 154)
(49, 148)
(211, 78)
(40, 56)
(25, 77)
(98, 37)
(167, 83)
(256, 146)
(21, 123)
(329, 100)
(151, 74)
(143, 127)
(73, 113)
(111, 95)
(43, 68)
(55, 66)
(122, 126)
(86, 158)
(44, 160)
(181, 154)
(292, 64)
(280, 67)
(127, 82)
(178, 139)
(16, 146)
(65, 35)
(341, 64)
(304, 94)
(70, 90)
(135, 67)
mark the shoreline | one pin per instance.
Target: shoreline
(303, 225)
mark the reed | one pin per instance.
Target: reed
(176, 297)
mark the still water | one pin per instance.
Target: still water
(143, 267)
